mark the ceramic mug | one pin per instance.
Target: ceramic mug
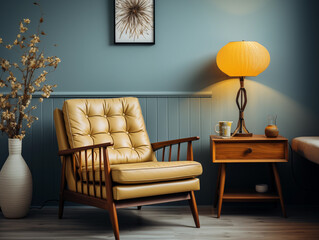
(224, 128)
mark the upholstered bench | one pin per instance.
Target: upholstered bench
(307, 147)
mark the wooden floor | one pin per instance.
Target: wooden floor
(165, 222)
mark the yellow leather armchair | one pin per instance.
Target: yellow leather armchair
(109, 162)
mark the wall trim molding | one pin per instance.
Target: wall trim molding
(122, 94)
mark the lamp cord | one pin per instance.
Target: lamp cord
(44, 203)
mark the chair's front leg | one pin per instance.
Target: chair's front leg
(114, 220)
(193, 206)
(109, 195)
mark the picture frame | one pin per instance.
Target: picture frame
(128, 14)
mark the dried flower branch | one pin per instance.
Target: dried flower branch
(15, 103)
(134, 17)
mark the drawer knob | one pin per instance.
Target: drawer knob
(249, 150)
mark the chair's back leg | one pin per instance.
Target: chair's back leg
(62, 187)
(193, 206)
(61, 207)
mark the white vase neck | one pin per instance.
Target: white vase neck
(15, 146)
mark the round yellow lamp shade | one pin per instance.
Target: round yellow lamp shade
(244, 58)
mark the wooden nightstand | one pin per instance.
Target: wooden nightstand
(255, 149)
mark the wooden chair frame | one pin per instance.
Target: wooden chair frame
(109, 203)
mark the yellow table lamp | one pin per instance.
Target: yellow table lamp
(242, 59)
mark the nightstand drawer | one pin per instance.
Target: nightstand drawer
(250, 150)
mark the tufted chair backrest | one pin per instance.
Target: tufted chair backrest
(119, 120)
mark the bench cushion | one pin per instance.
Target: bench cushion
(308, 147)
(147, 172)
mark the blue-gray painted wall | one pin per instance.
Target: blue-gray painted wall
(188, 36)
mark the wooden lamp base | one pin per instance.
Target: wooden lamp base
(242, 135)
(241, 130)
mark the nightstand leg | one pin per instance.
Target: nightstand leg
(272, 183)
(221, 188)
(278, 185)
(217, 187)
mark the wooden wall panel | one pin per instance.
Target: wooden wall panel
(184, 123)
(151, 118)
(166, 117)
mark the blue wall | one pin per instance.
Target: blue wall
(188, 36)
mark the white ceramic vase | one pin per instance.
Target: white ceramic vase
(15, 183)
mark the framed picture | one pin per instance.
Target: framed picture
(134, 22)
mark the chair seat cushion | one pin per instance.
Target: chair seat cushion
(147, 172)
(121, 192)
(308, 147)
(155, 171)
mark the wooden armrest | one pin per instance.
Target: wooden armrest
(83, 164)
(73, 150)
(159, 145)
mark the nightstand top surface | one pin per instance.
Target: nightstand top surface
(255, 137)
